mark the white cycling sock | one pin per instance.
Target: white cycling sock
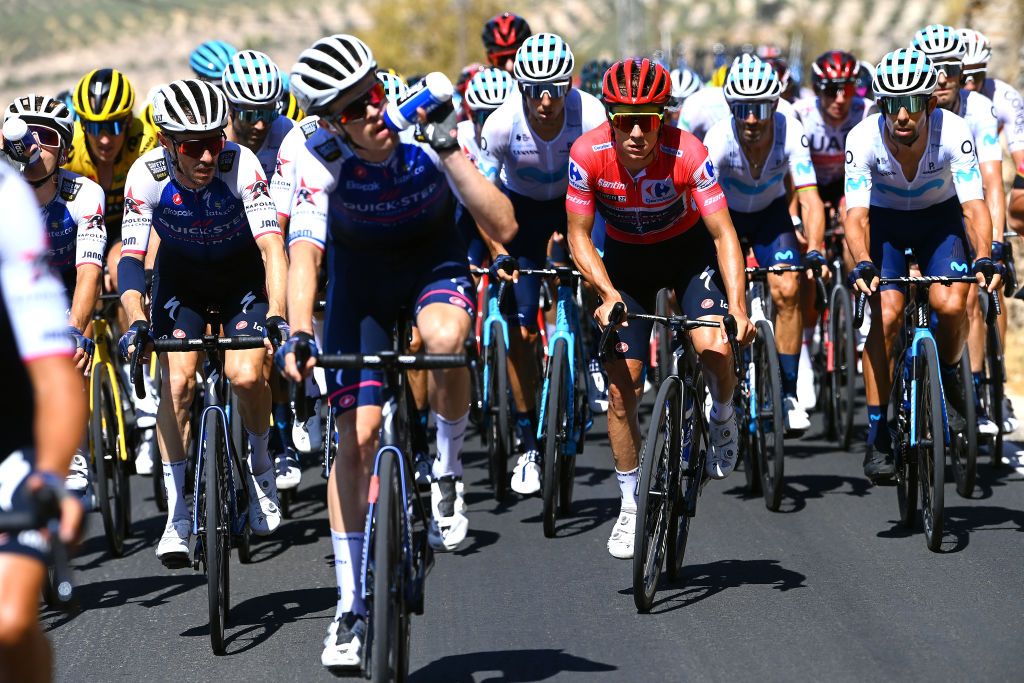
(348, 560)
(450, 435)
(174, 483)
(720, 412)
(627, 487)
(259, 458)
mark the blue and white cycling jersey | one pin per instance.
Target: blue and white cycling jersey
(948, 167)
(789, 154)
(400, 202)
(980, 115)
(267, 153)
(282, 185)
(1009, 110)
(75, 225)
(526, 163)
(209, 226)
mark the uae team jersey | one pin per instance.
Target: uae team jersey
(74, 225)
(948, 167)
(826, 140)
(664, 200)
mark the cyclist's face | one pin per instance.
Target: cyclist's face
(635, 146)
(905, 127)
(752, 130)
(368, 131)
(194, 171)
(105, 147)
(49, 159)
(251, 135)
(947, 91)
(974, 81)
(546, 109)
(836, 102)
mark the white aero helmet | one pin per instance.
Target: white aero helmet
(751, 79)
(977, 49)
(939, 43)
(543, 58)
(327, 69)
(394, 86)
(43, 110)
(904, 72)
(685, 82)
(252, 79)
(488, 89)
(190, 106)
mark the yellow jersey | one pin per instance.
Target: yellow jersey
(140, 139)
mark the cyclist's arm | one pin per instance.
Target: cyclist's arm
(812, 210)
(135, 232)
(305, 260)
(995, 196)
(857, 231)
(90, 240)
(491, 209)
(87, 291)
(979, 227)
(275, 263)
(805, 184)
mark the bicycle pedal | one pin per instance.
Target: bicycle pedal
(175, 560)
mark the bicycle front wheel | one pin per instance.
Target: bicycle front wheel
(217, 532)
(770, 426)
(110, 481)
(963, 446)
(656, 503)
(904, 458)
(931, 440)
(499, 442)
(842, 366)
(555, 433)
(389, 619)
(992, 388)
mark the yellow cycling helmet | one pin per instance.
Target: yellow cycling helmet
(289, 106)
(718, 78)
(103, 95)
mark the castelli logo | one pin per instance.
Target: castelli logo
(347, 401)
(241, 324)
(456, 301)
(706, 304)
(176, 199)
(622, 347)
(179, 334)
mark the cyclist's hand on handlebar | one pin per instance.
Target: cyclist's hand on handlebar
(988, 274)
(865, 277)
(816, 260)
(126, 345)
(744, 329)
(72, 514)
(302, 344)
(84, 348)
(505, 268)
(275, 332)
(603, 312)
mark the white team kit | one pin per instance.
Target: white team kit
(282, 185)
(980, 115)
(466, 132)
(74, 225)
(826, 140)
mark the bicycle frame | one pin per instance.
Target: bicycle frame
(493, 315)
(102, 361)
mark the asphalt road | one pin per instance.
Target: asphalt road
(828, 589)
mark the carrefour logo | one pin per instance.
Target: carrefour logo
(577, 177)
(657, 191)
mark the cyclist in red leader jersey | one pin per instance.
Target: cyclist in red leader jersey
(667, 226)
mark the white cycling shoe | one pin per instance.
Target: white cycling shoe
(795, 415)
(308, 436)
(287, 472)
(986, 426)
(144, 455)
(449, 524)
(723, 449)
(806, 391)
(77, 480)
(173, 547)
(343, 646)
(526, 474)
(620, 543)
(264, 504)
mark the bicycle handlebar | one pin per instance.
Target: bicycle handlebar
(207, 342)
(394, 359)
(994, 310)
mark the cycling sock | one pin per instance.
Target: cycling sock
(977, 388)
(878, 429)
(259, 458)
(450, 435)
(789, 363)
(627, 487)
(282, 417)
(527, 423)
(348, 559)
(174, 483)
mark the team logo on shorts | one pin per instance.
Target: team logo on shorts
(347, 401)
(456, 301)
(622, 347)
(179, 334)
(241, 324)
(707, 303)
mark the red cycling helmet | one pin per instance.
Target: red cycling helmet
(505, 32)
(835, 67)
(637, 81)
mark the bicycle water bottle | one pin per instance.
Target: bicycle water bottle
(430, 93)
(17, 139)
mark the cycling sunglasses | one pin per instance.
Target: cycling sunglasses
(111, 127)
(375, 96)
(832, 90)
(950, 70)
(912, 103)
(536, 91)
(742, 110)
(47, 137)
(267, 116)
(626, 121)
(195, 148)
(499, 57)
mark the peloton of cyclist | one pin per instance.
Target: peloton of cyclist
(667, 226)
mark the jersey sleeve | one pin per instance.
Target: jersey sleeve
(310, 200)
(986, 130)
(254, 191)
(494, 144)
(798, 151)
(579, 198)
(33, 295)
(91, 238)
(593, 113)
(963, 161)
(703, 176)
(141, 192)
(858, 166)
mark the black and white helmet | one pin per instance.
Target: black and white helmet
(190, 106)
(977, 49)
(43, 110)
(543, 58)
(252, 79)
(488, 89)
(904, 72)
(751, 79)
(685, 82)
(940, 43)
(327, 69)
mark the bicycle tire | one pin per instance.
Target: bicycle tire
(554, 431)
(931, 441)
(963, 446)
(580, 410)
(747, 442)
(904, 459)
(656, 503)
(770, 425)
(691, 478)
(159, 490)
(663, 337)
(108, 480)
(499, 442)
(243, 539)
(216, 532)
(843, 375)
(389, 645)
(995, 376)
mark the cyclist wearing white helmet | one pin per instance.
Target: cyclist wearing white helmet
(525, 150)
(912, 179)
(382, 207)
(753, 152)
(253, 85)
(220, 245)
(946, 48)
(685, 82)
(72, 210)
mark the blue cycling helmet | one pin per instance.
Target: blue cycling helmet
(68, 98)
(210, 58)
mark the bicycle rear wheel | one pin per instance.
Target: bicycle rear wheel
(389, 618)
(992, 388)
(657, 500)
(499, 442)
(904, 458)
(692, 475)
(110, 478)
(555, 433)
(963, 446)
(217, 532)
(745, 404)
(931, 441)
(769, 425)
(842, 365)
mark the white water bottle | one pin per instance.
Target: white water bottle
(430, 93)
(18, 140)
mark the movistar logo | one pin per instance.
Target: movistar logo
(805, 167)
(991, 139)
(784, 255)
(959, 267)
(856, 183)
(967, 176)
(744, 188)
(910, 191)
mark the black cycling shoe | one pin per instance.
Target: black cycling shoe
(954, 394)
(879, 465)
